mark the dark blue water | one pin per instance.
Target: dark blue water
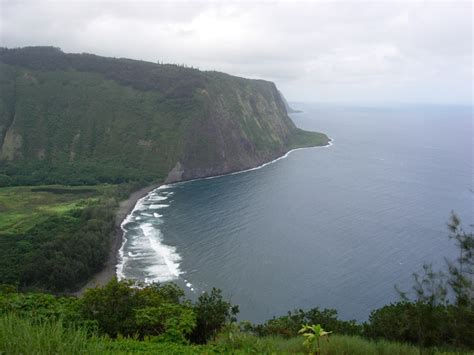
(330, 227)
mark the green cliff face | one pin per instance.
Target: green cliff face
(80, 118)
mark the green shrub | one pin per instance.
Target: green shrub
(212, 314)
(121, 308)
(289, 325)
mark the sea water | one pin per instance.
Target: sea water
(332, 227)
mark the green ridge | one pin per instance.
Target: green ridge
(85, 119)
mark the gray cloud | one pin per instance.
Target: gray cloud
(354, 51)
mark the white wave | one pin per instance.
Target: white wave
(164, 187)
(267, 163)
(168, 268)
(158, 206)
(157, 198)
(140, 205)
(330, 143)
(122, 260)
(157, 215)
(120, 266)
(137, 254)
(148, 246)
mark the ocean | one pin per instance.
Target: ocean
(329, 227)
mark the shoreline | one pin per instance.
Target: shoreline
(330, 143)
(127, 206)
(109, 271)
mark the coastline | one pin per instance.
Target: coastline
(283, 156)
(126, 207)
(109, 270)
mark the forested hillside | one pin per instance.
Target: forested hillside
(85, 119)
(56, 237)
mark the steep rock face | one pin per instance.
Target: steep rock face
(244, 125)
(80, 118)
(288, 108)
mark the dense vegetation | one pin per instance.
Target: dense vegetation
(132, 317)
(22, 336)
(150, 319)
(84, 119)
(55, 238)
(155, 319)
(171, 80)
(120, 309)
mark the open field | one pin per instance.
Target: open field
(23, 207)
(55, 237)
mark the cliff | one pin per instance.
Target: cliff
(288, 108)
(81, 118)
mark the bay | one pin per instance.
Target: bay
(333, 227)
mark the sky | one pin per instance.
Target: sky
(317, 51)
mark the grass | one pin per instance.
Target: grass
(338, 344)
(23, 207)
(22, 336)
(244, 343)
(302, 139)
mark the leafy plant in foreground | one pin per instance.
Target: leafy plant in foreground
(313, 333)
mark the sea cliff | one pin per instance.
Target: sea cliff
(81, 118)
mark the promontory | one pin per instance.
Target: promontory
(86, 119)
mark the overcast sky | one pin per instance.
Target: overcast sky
(322, 51)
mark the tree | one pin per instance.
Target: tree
(461, 273)
(212, 313)
(440, 309)
(461, 283)
(132, 309)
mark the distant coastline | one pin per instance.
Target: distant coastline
(330, 143)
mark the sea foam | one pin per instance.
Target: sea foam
(163, 260)
(143, 243)
(157, 206)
